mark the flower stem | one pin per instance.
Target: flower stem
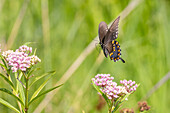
(110, 109)
(26, 96)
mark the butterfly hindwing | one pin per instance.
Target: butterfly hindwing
(103, 28)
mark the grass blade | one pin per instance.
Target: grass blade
(8, 105)
(45, 92)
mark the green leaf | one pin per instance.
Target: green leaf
(2, 58)
(3, 66)
(32, 71)
(8, 92)
(39, 77)
(119, 102)
(28, 43)
(45, 92)
(103, 95)
(41, 86)
(21, 92)
(126, 96)
(7, 80)
(20, 88)
(35, 51)
(16, 76)
(8, 105)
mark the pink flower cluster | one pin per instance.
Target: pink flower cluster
(20, 59)
(111, 89)
(25, 49)
(129, 85)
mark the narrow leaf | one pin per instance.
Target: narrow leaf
(41, 87)
(20, 88)
(35, 51)
(2, 65)
(8, 92)
(7, 80)
(119, 102)
(32, 71)
(45, 92)
(16, 76)
(21, 92)
(39, 77)
(103, 95)
(28, 43)
(8, 105)
(4, 61)
(126, 96)
(2, 58)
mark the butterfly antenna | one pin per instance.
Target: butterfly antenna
(122, 60)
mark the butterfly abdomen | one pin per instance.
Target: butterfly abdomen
(115, 54)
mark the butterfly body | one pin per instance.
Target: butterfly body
(107, 37)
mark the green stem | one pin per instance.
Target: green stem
(110, 109)
(26, 96)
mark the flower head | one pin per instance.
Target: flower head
(143, 106)
(25, 49)
(129, 85)
(20, 59)
(127, 110)
(112, 89)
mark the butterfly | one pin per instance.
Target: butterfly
(108, 41)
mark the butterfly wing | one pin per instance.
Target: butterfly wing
(103, 28)
(113, 30)
(111, 35)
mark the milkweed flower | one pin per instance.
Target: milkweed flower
(20, 59)
(143, 106)
(127, 110)
(34, 59)
(111, 89)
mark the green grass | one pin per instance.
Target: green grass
(144, 39)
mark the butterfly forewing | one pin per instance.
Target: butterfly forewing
(114, 28)
(112, 33)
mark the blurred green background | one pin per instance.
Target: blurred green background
(62, 29)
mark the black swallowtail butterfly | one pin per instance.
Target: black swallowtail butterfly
(108, 41)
